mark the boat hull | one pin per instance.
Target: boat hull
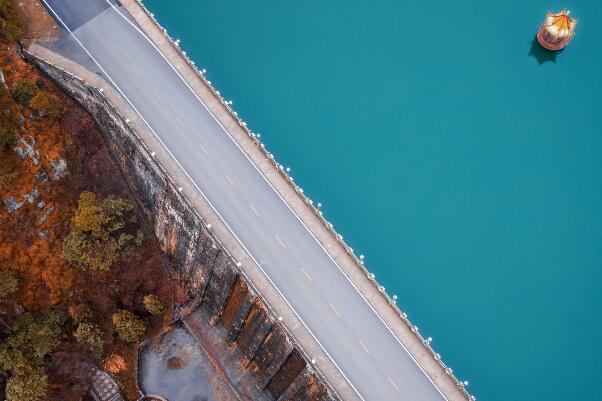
(544, 41)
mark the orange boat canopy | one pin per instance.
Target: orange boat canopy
(560, 25)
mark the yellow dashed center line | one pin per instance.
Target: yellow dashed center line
(180, 122)
(229, 179)
(306, 275)
(205, 150)
(280, 241)
(254, 210)
(363, 346)
(393, 384)
(334, 309)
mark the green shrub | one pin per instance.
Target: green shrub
(45, 104)
(9, 121)
(12, 31)
(153, 305)
(37, 335)
(24, 91)
(90, 335)
(129, 327)
(101, 232)
(32, 338)
(11, 24)
(8, 173)
(27, 387)
(9, 283)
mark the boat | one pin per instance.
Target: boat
(556, 31)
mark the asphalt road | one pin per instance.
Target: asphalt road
(360, 344)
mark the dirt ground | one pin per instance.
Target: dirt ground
(37, 23)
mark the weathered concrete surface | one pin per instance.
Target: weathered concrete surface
(176, 367)
(198, 260)
(271, 355)
(289, 377)
(253, 332)
(237, 308)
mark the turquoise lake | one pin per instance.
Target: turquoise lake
(461, 159)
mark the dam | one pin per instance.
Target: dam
(257, 254)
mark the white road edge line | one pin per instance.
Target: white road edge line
(203, 195)
(262, 175)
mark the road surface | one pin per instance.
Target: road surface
(372, 360)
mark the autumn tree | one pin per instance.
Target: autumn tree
(128, 326)
(90, 335)
(79, 312)
(37, 335)
(102, 231)
(9, 283)
(45, 104)
(23, 91)
(153, 305)
(114, 363)
(22, 353)
(31, 338)
(32, 386)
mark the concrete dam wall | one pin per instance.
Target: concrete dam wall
(222, 278)
(198, 260)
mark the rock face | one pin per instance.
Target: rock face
(210, 276)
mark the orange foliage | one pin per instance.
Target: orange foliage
(114, 363)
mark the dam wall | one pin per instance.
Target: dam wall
(198, 260)
(407, 333)
(209, 261)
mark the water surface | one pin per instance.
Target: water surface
(461, 159)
